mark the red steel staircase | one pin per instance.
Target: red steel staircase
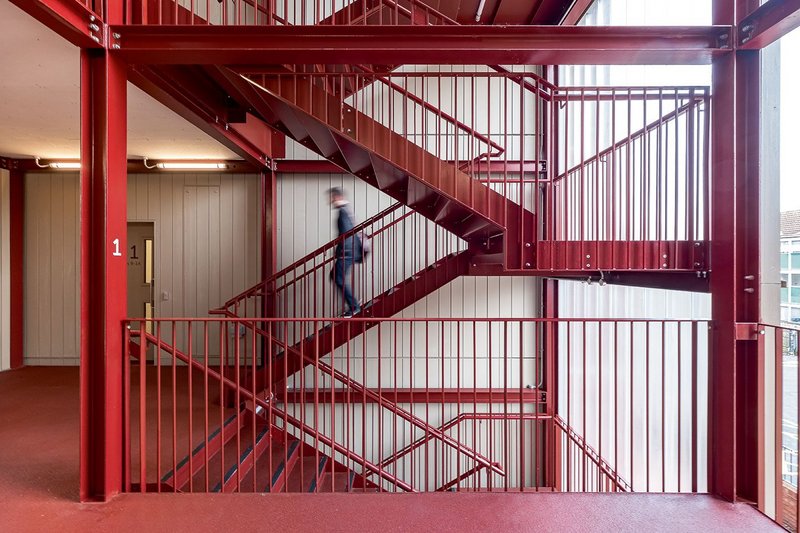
(301, 107)
(264, 447)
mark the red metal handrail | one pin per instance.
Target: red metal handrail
(588, 443)
(499, 149)
(591, 454)
(265, 404)
(322, 250)
(454, 422)
(701, 98)
(341, 377)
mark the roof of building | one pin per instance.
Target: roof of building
(790, 223)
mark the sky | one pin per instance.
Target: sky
(790, 121)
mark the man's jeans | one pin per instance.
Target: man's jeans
(341, 273)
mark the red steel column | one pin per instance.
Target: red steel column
(103, 270)
(269, 234)
(17, 227)
(269, 226)
(733, 450)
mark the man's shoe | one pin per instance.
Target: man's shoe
(350, 313)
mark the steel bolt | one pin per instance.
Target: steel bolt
(664, 256)
(527, 245)
(117, 35)
(750, 277)
(115, 46)
(663, 265)
(94, 27)
(588, 265)
(750, 290)
(588, 256)
(527, 265)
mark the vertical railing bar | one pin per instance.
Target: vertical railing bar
(616, 398)
(522, 407)
(205, 405)
(663, 410)
(695, 436)
(253, 370)
(584, 465)
(190, 417)
(647, 405)
(489, 475)
(174, 403)
(223, 356)
(458, 398)
(600, 397)
(237, 374)
(143, 410)
(126, 421)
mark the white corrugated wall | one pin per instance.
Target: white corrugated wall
(207, 250)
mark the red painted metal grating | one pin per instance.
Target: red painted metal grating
(346, 431)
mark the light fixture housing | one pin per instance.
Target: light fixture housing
(191, 165)
(65, 165)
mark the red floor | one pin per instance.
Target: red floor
(39, 480)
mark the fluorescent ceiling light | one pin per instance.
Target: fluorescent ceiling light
(480, 10)
(65, 165)
(192, 166)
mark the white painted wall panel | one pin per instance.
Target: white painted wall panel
(305, 218)
(206, 250)
(5, 271)
(52, 259)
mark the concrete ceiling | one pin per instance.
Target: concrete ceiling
(39, 101)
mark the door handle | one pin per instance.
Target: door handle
(153, 295)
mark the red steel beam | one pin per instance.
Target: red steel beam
(253, 45)
(72, 20)
(433, 395)
(768, 23)
(103, 190)
(17, 270)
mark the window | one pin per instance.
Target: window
(784, 296)
(796, 260)
(784, 261)
(795, 294)
(795, 280)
